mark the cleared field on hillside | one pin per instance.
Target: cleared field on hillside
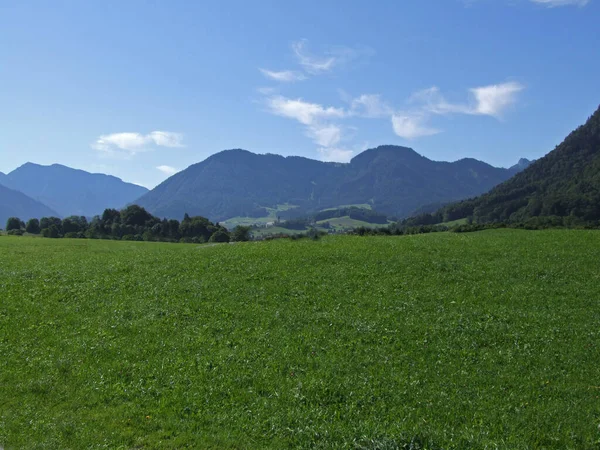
(346, 223)
(488, 339)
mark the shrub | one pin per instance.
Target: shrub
(51, 232)
(74, 235)
(219, 236)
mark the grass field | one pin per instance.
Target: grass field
(258, 233)
(346, 223)
(479, 340)
(453, 223)
(257, 221)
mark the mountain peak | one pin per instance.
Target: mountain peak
(72, 191)
(523, 164)
(387, 152)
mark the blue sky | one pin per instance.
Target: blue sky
(139, 89)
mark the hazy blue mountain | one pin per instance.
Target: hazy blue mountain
(16, 204)
(563, 184)
(393, 180)
(70, 191)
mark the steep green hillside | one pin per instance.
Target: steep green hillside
(565, 184)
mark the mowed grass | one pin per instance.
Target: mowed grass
(480, 340)
(347, 223)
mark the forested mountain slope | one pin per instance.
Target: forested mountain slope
(393, 180)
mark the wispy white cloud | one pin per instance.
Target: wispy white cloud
(167, 170)
(319, 121)
(326, 135)
(411, 126)
(312, 64)
(555, 3)
(431, 101)
(129, 144)
(322, 123)
(286, 76)
(371, 105)
(492, 100)
(333, 57)
(304, 112)
(166, 138)
(267, 90)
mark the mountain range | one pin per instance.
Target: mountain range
(391, 179)
(562, 187)
(70, 191)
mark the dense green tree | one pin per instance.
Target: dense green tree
(74, 224)
(197, 226)
(14, 223)
(116, 230)
(136, 216)
(240, 234)
(220, 235)
(46, 222)
(110, 216)
(51, 232)
(33, 226)
(173, 229)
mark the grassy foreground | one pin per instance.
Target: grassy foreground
(481, 340)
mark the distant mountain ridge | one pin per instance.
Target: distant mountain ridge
(71, 191)
(392, 179)
(16, 204)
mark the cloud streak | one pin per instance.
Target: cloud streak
(371, 106)
(492, 100)
(167, 170)
(129, 143)
(319, 64)
(284, 76)
(304, 112)
(555, 3)
(411, 126)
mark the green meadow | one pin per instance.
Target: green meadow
(438, 341)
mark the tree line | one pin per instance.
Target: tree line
(132, 223)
